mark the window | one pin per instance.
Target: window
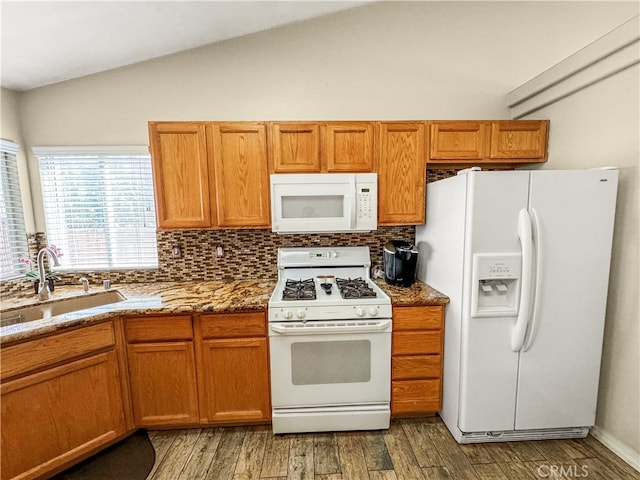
(13, 238)
(99, 207)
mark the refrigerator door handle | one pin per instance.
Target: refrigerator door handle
(524, 310)
(537, 233)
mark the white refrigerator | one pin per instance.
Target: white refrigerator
(524, 257)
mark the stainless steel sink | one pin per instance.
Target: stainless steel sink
(61, 307)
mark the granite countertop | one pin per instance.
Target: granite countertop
(174, 298)
(142, 299)
(419, 294)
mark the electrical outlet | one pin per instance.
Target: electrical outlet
(176, 251)
(219, 251)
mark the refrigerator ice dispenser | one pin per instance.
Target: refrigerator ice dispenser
(496, 285)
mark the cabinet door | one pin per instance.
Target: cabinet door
(239, 157)
(234, 382)
(348, 146)
(180, 174)
(294, 147)
(163, 383)
(54, 416)
(457, 140)
(521, 139)
(401, 174)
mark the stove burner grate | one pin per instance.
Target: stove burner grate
(354, 288)
(299, 290)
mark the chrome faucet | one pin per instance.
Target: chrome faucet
(85, 284)
(43, 289)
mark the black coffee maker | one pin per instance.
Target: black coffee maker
(400, 260)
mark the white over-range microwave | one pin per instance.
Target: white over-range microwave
(324, 202)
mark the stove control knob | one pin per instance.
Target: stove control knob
(300, 314)
(373, 311)
(287, 314)
(361, 312)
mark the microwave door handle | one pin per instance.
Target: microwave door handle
(352, 193)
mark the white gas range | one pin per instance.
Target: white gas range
(330, 342)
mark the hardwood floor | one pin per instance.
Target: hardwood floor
(412, 449)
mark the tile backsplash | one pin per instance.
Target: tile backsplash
(247, 254)
(253, 253)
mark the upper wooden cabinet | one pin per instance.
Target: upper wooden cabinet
(504, 143)
(521, 139)
(295, 147)
(321, 147)
(457, 140)
(401, 173)
(210, 175)
(180, 173)
(216, 174)
(239, 155)
(348, 146)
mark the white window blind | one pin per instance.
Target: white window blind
(99, 206)
(13, 238)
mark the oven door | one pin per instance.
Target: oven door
(330, 362)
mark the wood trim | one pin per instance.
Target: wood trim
(123, 373)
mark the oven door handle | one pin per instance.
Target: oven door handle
(324, 328)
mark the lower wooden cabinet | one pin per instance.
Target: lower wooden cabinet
(217, 372)
(233, 368)
(416, 360)
(162, 370)
(163, 384)
(56, 415)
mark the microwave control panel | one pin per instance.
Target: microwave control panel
(365, 202)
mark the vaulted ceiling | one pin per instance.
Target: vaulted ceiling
(52, 41)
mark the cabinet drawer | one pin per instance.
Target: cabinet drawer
(416, 366)
(158, 329)
(417, 318)
(233, 325)
(415, 396)
(39, 353)
(415, 343)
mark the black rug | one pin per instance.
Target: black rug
(129, 459)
